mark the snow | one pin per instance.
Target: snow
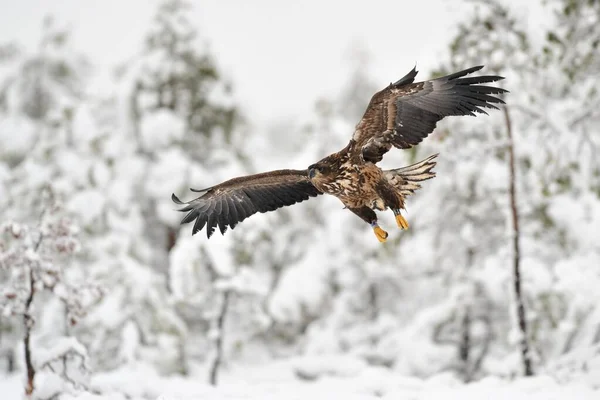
(316, 307)
(300, 291)
(337, 377)
(87, 205)
(244, 281)
(16, 135)
(59, 348)
(161, 129)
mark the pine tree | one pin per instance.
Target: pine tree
(176, 86)
(187, 130)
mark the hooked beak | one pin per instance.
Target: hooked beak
(311, 173)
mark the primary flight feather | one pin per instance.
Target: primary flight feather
(401, 116)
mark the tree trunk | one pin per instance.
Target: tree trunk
(28, 321)
(27, 325)
(521, 316)
(464, 347)
(214, 370)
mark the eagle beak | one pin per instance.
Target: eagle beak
(311, 173)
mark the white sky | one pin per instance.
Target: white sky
(280, 55)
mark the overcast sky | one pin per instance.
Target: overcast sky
(280, 55)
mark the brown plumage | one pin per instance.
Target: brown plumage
(401, 115)
(235, 200)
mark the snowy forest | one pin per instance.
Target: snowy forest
(493, 292)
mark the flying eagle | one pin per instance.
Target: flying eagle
(401, 115)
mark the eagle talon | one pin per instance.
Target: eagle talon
(401, 221)
(380, 233)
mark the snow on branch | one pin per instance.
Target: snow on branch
(33, 259)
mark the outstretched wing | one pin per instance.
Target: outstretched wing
(235, 200)
(404, 113)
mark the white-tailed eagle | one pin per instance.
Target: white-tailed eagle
(401, 115)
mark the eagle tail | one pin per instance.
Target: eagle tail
(407, 179)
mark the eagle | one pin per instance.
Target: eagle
(400, 116)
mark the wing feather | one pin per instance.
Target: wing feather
(211, 222)
(229, 203)
(201, 219)
(404, 113)
(241, 214)
(233, 212)
(224, 216)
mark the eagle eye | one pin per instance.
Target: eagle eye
(312, 170)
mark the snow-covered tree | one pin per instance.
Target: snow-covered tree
(553, 169)
(182, 114)
(35, 261)
(188, 133)
(76, 144)
(567, 119)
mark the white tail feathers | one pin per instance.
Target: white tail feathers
(407, 179)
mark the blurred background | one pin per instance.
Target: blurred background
(106, 108)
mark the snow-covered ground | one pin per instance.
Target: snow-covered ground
(320, 378)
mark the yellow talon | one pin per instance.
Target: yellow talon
(380, 233)
(402, 223)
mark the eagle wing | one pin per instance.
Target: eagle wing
(234, 200)
(404, 113)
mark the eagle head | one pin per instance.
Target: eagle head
(318, 170)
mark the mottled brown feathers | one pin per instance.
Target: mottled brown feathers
(227, 204)
(401, 116)
(404, 113)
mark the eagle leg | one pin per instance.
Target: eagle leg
(400, 220)
(369, 216)
(393, 199)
